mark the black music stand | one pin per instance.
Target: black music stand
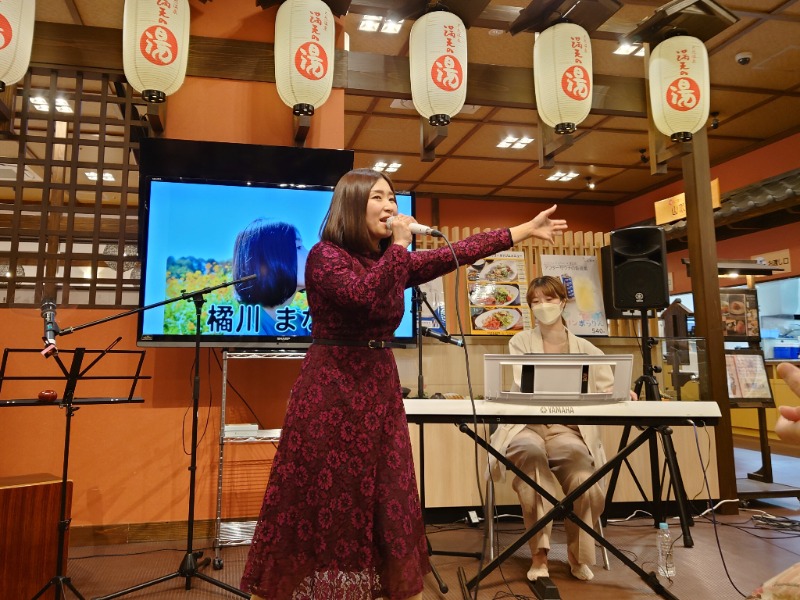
(648, 383)
(60, 581)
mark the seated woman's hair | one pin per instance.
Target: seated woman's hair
(267, 249)
(550, 286)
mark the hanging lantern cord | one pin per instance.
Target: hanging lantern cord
(154, 96)
(439, 120)
(303, 110)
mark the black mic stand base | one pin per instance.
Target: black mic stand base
(60, 582)
(188, 569)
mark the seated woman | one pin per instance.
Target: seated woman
(274, 252)
(555, 456)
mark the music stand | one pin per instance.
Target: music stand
(648, 382)
(189, 567)
(72, 375)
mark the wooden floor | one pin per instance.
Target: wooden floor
(729, 559)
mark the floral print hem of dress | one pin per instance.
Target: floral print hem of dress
(341, 517)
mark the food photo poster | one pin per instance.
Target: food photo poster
(497, 287)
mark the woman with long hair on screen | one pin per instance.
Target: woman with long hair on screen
(341, 517)
(557, 457)
(274, 252)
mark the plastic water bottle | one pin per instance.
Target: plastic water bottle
(666, 566)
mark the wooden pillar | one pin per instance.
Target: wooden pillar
(705, 290)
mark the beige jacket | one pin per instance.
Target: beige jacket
(601, 378)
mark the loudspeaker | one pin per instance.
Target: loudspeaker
(636, 261)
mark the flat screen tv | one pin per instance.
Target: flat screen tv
(196, 200)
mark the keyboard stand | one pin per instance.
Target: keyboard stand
(563, 510)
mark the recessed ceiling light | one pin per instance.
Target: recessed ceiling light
(387, 167)
(496, 32)
(92, 176)
(561, 176)
(626, 49)
(511, 141)
(370, 23)
(391, 26)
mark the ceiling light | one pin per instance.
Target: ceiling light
(625, 49)
(40, 103)
(370, 23)
(63, 106)
(387, 167)
(92, 176)
(496, 32)
(391, 26)
(589, 183)
(511, 141)
(561, 176)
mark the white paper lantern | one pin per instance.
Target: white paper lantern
(16, 38)
(562, 76)
(155, 46)
(679, 86)
(304, 54)
(438, 62)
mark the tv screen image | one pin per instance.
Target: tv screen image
(191, 229)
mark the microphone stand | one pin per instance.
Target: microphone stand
(189, 566)
(420, 298)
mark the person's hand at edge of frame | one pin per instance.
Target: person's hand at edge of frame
(787, 427)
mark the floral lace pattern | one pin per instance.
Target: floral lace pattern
(341, 517)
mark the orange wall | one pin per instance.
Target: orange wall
(128, 462)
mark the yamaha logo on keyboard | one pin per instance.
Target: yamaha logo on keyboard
(557, 410)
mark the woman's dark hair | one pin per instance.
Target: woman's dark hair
(550, 286)
(267, 249)
(346, 222)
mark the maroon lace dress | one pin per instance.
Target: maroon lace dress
(341, 517)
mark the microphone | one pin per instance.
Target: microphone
(417, 229)
(442, 337)
(50, 326)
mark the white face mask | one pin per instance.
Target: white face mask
(547, 312)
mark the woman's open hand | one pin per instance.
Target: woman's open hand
(541, 226)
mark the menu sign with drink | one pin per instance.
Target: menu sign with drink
(584, 313)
